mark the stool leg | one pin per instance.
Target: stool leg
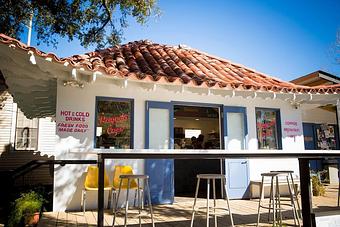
(83, 195)
(339, 194)
(260, 200)
(114, 199)
(270, 201)
(208, 195)
(139, 204)
(273, 200)
(115, 209)
(135, 198)
(278, 198)
(214, 193)
(193, 207)
(291, 191)
(149, 201)
(296, 196)
(228, 204)
(127, 202)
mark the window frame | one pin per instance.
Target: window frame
(16, 134)
(278, 127)
(105, 98)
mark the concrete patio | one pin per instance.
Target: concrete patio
(179, 213)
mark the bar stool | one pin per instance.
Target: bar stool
(145, 188)
(274, 194)
(289, 174)
(213, 178)
(275, 200)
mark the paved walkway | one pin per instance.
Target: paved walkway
(179, 214)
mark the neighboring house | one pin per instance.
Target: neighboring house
(317, 78)
(22, 138)
(147, 95)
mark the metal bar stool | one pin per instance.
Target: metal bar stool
(274, 201)
(140, 190)
(213, 178)
(293, 191)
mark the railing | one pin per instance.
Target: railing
(302, 155)
(34, 164)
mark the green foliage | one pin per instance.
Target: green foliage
(24, 208)
(98, 22)
(318, 188)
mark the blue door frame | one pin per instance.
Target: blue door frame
(160, 171)
(237, 170)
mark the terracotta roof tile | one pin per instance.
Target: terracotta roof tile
(144, 60)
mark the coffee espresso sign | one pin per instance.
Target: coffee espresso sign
(73, 121)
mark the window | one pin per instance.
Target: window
(114, 123)
(26, 132)
(268, 128)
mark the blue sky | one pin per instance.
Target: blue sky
(285, 39)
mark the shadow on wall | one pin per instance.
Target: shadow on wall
(69, 179)
(11, 160)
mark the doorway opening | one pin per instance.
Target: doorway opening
(196, 127)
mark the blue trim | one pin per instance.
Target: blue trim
(160, 171)
(278, 124)
(235, 109)
(102, 98)
(305, 127)
(236, 193)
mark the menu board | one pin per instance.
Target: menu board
(113, 124)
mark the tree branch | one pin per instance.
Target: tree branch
(108, 19)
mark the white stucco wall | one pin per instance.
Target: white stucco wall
(69, 179)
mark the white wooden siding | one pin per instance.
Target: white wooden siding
(46, 136)
(6, 123)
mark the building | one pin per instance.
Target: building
(147, 95)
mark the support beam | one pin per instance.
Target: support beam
(306, 197)
(338, 114)
(101, 167)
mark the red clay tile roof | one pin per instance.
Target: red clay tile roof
(143, 60)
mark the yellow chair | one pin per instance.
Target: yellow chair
(91, 184)
(123, 170)
(117, 172)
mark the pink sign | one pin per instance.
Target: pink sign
(291, 128)
(73, 121)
